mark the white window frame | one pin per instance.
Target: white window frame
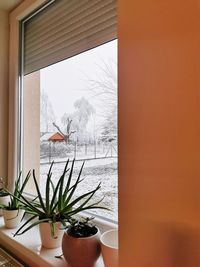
(15, 147)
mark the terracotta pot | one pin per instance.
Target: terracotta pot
(109, 248)
(81, 251)
(12, 218)
(45, 234)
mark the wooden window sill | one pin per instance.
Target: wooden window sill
(27, 247)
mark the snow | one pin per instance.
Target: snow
(95, 170)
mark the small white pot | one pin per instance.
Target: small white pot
(4, 201)
(109, 248)
(45, 234)
(12, 218)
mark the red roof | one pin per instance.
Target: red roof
(57, 137)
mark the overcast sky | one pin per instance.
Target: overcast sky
(67, 81)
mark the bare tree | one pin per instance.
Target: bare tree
(47, 115)
(104, 90)
(68, 133)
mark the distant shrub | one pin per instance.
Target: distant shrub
(62, 149)
(58, 149)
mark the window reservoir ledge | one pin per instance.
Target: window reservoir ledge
(27, 247)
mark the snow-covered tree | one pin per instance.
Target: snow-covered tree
(74, 125)
(109, 128)
(104, 90)
(47, 115)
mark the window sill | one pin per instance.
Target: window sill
(27, 247)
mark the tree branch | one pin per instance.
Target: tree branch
(58, 128)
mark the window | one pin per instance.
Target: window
(68, 106)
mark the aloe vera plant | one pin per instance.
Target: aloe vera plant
(59, 203)
(15, 203)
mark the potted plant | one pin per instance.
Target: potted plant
(82, 238)
(3, 195)
(57, 207)
(12, 208)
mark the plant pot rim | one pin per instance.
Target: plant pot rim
(5, 208)
(105, 233)
(82, 238)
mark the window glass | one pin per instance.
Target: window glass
(70, 111)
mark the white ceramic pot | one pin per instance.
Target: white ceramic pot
(12, 218)
(109, 248)
(46, 238)
(81, 251)
(4, 201)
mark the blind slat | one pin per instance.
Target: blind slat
(74, 42)
(66, 28)
(68, 36)
(65, 22)
(67, 11)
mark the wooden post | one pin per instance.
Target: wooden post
(95, 149)
(49, 151)
(75, 149)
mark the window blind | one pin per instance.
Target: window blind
(66, 28)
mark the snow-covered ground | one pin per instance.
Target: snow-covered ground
(95, 170)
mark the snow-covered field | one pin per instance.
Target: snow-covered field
(95, 171)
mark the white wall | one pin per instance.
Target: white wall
(31, 134)
(4, 36)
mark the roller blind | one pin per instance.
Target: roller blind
(66, 28)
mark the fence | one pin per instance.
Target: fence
(60, 151)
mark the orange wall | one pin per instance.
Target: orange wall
(159, 133)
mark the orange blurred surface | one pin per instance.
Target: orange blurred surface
(159, 133)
